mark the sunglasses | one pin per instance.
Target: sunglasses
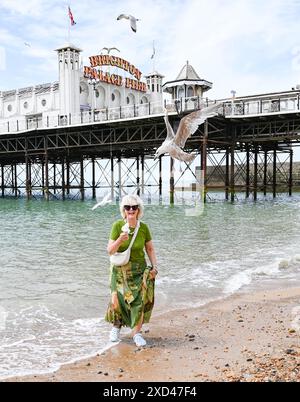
(129, 207)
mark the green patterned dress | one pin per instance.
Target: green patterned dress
(131, 282)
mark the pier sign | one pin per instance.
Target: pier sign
(91, 72)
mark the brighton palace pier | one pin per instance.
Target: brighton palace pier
(97, 128)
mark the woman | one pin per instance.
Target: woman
(132, 285)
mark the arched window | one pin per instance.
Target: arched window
(190, 92)
(181, 93)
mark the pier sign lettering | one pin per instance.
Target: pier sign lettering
(91, 72)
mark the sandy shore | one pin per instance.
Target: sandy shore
(253, 337)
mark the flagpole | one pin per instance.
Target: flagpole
(153, 56)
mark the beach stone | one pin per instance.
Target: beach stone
(121, 370)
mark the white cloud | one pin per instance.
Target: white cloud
(237, 44)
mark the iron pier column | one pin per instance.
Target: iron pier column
(93, 178)
(172, 181)
(291, 173)
(138, 175)
(247, 172)
(227, 177)
(68, 175)
(160, 178)
(265, 172)
(112, 180)
(232, 181)
(82, 178)
(275, 174)
(143, 174)
(63, 181)
(120, 178)
(255, 173)
(2, 181)
(46, 176)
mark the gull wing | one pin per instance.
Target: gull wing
(180, 155)
(190, 123)
(123, 16)
(132, 23)
(114, 48)
(170, 132)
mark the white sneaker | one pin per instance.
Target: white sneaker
(114, 334)
(139, 340)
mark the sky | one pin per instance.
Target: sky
(248, 46)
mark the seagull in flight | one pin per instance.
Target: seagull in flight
(27, 44)
(132, 20)
(109, 49)
(105, 201)
(174, 143)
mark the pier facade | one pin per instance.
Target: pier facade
(99, 138)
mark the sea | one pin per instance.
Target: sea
(54, 268)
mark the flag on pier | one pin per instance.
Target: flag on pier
(71, 16)
(153, 54)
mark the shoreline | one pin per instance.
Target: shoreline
(244, 337)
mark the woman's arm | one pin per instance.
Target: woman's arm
(113, 245)
(152, 257)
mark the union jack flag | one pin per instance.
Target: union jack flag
(71, 17)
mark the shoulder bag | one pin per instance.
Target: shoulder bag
(122, 258)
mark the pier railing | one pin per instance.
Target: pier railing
(277, 103)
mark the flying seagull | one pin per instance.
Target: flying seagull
(109, 49)
(27, 44)
(132, 20)
(106, 200)
(174, 143)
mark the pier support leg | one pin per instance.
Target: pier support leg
(93, 178)
(247, 173)
(143, 174)
(172, 181)
(275, 174)
(112, 179)
(138, 175)
(160, 179)
(255, 173)
(63, 179)
(68, 175)
(46, 177)
(291, 173)
(82, 178)
(120, 179)
(54, 178)
(265, 172)
(227, 174)
(232, 181)
(2, 181)
(28, 177)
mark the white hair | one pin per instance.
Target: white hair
(132, 200)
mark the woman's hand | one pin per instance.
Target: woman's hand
(153, 273)
(123, 237)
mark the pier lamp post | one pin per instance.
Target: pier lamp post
(94, 83)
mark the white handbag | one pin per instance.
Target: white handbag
(123, 258)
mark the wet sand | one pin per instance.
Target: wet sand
(246, 337)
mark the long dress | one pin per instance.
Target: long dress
(131, 282)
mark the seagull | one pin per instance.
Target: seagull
(109, 49)
(132, 20)
(188, 126)
(106, 200)
(27, 44)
